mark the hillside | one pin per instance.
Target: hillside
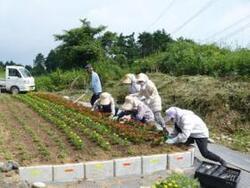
(224, 104)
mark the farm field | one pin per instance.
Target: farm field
(43, 128)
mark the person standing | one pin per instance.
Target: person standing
(95, 84)
(190, 128)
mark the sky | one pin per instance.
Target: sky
(27, 26)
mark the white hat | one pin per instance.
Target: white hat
(128, 78)
(105, 98)
(142, 77)
(170, 114)
(129, 103)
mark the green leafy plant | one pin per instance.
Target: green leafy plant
(177, 181)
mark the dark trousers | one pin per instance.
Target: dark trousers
(94, 97)
(202, 145)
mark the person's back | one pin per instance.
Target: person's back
(143, 111)
(96, 83)
(189, 120)
(190, 128)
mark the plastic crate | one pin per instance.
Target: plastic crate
(212, 175)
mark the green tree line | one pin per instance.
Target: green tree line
(156, 51)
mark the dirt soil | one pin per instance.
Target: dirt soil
(30, 140)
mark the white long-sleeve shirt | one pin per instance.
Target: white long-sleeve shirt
(190, 124)
(152, 97)
(143, 111)
(134, 88)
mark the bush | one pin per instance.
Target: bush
(177, 181)
(60, 80)
(188, 58)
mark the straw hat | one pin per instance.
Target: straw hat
(105, 98)
(142, 77)
(128, 78)
(128, 104)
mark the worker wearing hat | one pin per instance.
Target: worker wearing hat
(130, 80)
(152, 98)
(95, 84)
(105, 104)
(190, 128)
(139, 111)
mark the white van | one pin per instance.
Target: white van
(17, 79)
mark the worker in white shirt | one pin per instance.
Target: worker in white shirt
(151, 97)
(190, 128)
(137, 109)
(130, 80)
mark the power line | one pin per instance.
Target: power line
(206, 6)
(162, 13)
(235, 32)
(228, 27)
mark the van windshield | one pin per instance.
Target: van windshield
(25, 72)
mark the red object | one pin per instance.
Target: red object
(126, 164)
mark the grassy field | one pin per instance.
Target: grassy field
(45, 129)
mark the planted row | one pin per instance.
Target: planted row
(80, 120)
(42, 109)
(132, 132)
(60, 112)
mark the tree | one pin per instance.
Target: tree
(52, 61)
(145, 42)
(1, 65)
(108, 42)
(39, 65)
(29, 68)
(79, 46)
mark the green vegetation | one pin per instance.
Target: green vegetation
(149, 52)
(2, 73)
(177, 181)
(223, 104)
(221, 95)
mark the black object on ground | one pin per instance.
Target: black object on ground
(213, 175)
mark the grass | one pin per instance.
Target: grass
(2, 73)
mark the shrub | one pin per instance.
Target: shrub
(177, 181)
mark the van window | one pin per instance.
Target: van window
(14, 72)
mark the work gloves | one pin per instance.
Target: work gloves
(171, 140)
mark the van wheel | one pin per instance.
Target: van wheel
(14, 90)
